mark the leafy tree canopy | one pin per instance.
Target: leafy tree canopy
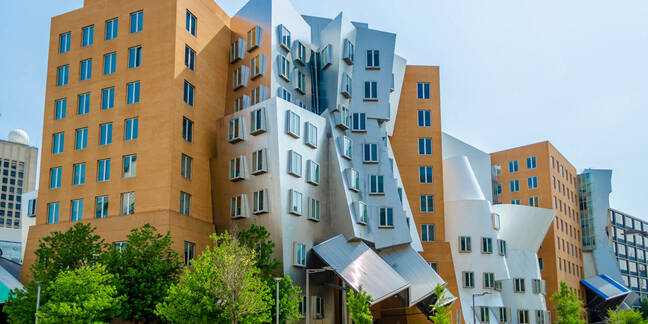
(358, 304)
(569, 309)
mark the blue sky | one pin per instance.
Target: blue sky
(512, 72)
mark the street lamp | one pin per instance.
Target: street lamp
(39, 283)
(473, 306)
(277, 279)
(308, 272)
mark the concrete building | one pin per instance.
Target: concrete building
(539, 175)
(18, 174)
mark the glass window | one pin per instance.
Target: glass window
(254, 38)
(313, 172)
(259, 203)
(424, 118)
(284, 68)
(189, 252)
(86, 70)
(128, 203)
(105, 136)
(465, 244)
(88, 36)
(518, 285)
(76, 212)
(55, 177)
(376, 185)
(53, 210)
(186, 166)
(502, 247)
(131, 129)
(108, 98)
(135, 56)
(468, 279)
(81, 139)
(136, 19)
(514, 185)
(348, 52)
(425, 174)
(257, 118)
(259, 164)
(130, 166)
(300, 254)
(386, 216)
(101, 208)
(187, 129)
(284, 37)
(489, 280)
(293, 124)
(531, 162)
(133, 93)
(359, 122)
(191, 23)
(64, 42)
(314, 209)
(110, 63)
(487, 245)
(371, 90)
(188, 93)
(513, 166)
(370, 153)
(237, 168)
(112, 28)
(427, 203)
(295, 164)
(79, 174)
(238, 206)
(373, 58)
(190, 58)
(83, 104)
(58, 141)
(523, 316)
(295, 202)
(185, 203)
(532, 182)
(427, 233)
(61, 108)
(103, 170)
(423, 90)
(62, 75)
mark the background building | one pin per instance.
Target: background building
(18, 175)
(538, 175)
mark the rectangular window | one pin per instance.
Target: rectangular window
(295, 202)
(300, 254)
(185, 203)
(190, 58)
(293, 124)
(312, 172)
(260, 201)
(110, 63)
(523, 316)
(311, 135)
(257, 94)
(363, 212)
(348, 52)
(370, 90)
(105, 136)
(108, 98)
(186, 162)
(465, 244)
(236, 132)
(502, 247)
(259, 164)
(86, 70)
(101, 208)
(487, 245)
(347, 86)
(136, 19)
(386, 217)
(79, 174)
(515, 202)
(359, 122)
(191, 23)
(518, 285)
(514, 185)
(531, 162)
(354, 180)
(532, 182)
(83, 104)
(424, 118)
(427, 203)
(81, 139)
(425, 146)
(237, 50)
(284, 68)
(237, 168)
(55, 177)
(133, 95)
(257, 65)
(301, 53)
(484, 314)
(254, 38)
(540, 317)
(284, 37)
(284, 94)
(370, 153)
(112, 28)
(326, 54)
(53, 213)
(58, 141)
(489, 280)
(295, 163)
(135, 56)
(536, 285)
(427, 233)
(314, 209)
(425, 174)
(130, 166)
(61, 108)
(187, 129)
(31, 207)
(376, 185)
(533, 201)
(127, 203)
(188, 94)
(131, 129)
(64, 42)
(62, 75)
(513, 166)
(103, 170)
(88, 36)
(468, 279)
(423, 90)
(373, 59)
(189, 252)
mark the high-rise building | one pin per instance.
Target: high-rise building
(539, 175)
(18, 175)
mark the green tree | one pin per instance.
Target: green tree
(83, 295)
(257, 238)
(147, 267)
(223, 285)
(358, 304)
(626, 316)
(441, 307)
(569, 308)
(58, 251)
(643, 307)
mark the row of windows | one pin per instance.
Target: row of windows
(13, 174)
(100, 210)
(112, 31)
(465, 245)
(560, 169)
(571, 194)
(570, 268)
(489, 282)
(503, 315)
(131, 130)
(568, 229)
(514, 185)
(530, 164)
(129, 170)
(133, 90)
(110, 66)
(12, 189)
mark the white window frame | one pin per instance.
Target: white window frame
(236, 130)
(241, 103)
(311, 135)
(326, 58)
(301, 53)
(371, 58)
(361, 125)
(313, 172)
(378, 190)
(296, 202)
(519, 285)
(240, 77)
(347, 147)
(487, 245)
(299, 254)
(295, 163)
(465, 244)
(424, 201)
(385, 222)
(348, 52)
(258, 94)
(426, 179)
(238, 206)
(132, 171)
(260, 202)
(427, 233)
(346, 89)
(362, 211)
(354, 179)
(237, 50)
(489, 280)
(314, 209)
(484, 314)
(256, 168)
(284, 68)
(468, 279)
(284, 37)
(237, 168)
(254, 37)
(258, 121)
(293, 124)
(373, 95)
(257, 66)
(501, 247)
(372, 158)
(127, 198)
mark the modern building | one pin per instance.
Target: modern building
(629, 242)
(196, 122)
(494, 247)
(18, 174)
(539, 175)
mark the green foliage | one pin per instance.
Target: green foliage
(20, 307)
(643, 307)
(569, 308)
(358, 304)
(223, 285)
(83, 295)
(626, 316)
(441, 307)
(147, 267)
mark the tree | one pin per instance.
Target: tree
(223, 285)
(626, 316)
(441, 307)
(643, 307)
(257, 238)
(58, 251)
(147, 267)
(569, 308)
(358, 304)
(83, 295)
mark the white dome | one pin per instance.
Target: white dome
(19, 136)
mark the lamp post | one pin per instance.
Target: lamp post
(308, 272)
(473, 305)
(39, 283)
(277, 279)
